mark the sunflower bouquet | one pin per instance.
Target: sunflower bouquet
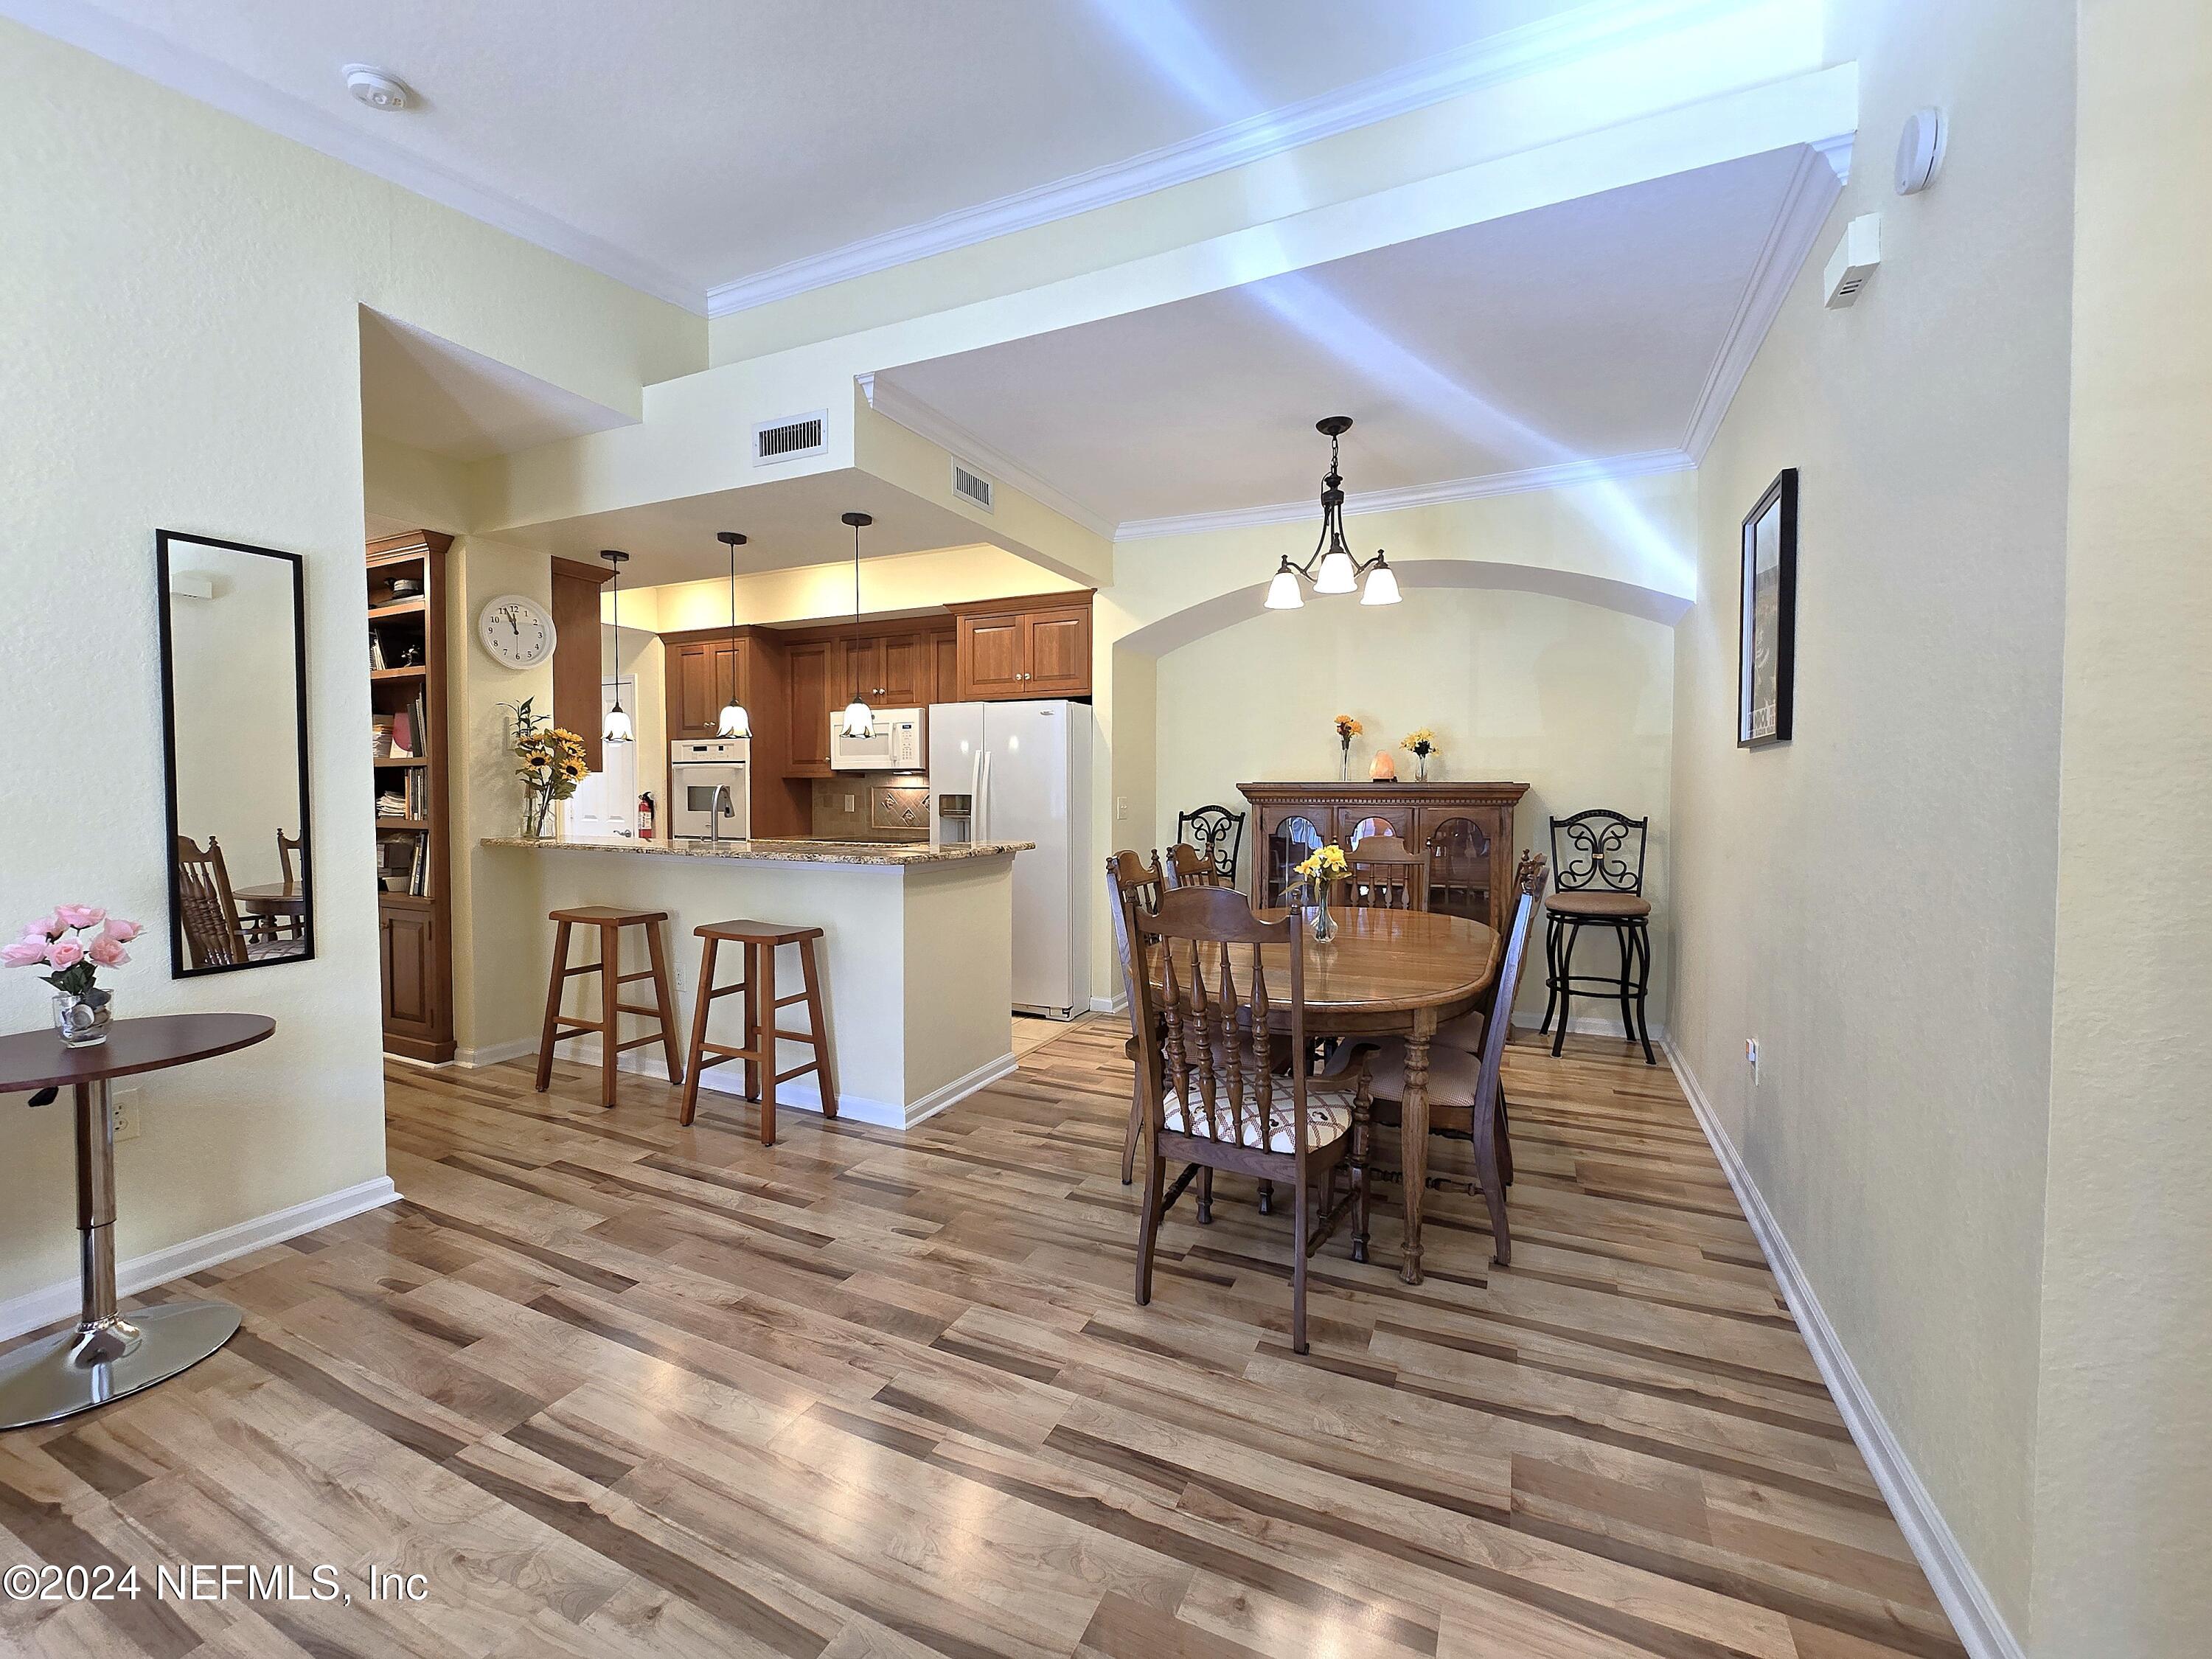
(550, 761)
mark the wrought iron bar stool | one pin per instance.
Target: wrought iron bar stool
(1597, 872)
(1217, 833)
(761, 940)
(610, 919)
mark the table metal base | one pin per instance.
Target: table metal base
(72, 1372)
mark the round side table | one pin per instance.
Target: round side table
(107, 1356)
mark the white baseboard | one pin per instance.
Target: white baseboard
(1586, 1025)
(800, 1094)
(1972, 1611)
(61, 1301)
(495, 1054)
(1109, 1005)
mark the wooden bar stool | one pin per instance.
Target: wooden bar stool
(761, 940)
(610, 919)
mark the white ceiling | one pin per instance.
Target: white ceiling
(428, 394)
(789, 522)
(691, 144)
(1580, 332)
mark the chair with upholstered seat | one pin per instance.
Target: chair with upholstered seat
(1223, 1090)
(1132, 889)
(1465, 1087)
(1216, 832)
(1597, 881)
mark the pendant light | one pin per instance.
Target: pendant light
(618, 728)
(1332, 567)
(859, 720)
(735, 722)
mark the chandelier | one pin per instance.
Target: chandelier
(1331, 567)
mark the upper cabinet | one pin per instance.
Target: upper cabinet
(703, 675)
(1025, 648)
(808, 672)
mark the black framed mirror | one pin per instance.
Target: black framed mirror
(234, 719)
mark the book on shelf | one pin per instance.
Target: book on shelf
(403, 736)
(375, 652)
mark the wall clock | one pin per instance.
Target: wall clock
(516, 630)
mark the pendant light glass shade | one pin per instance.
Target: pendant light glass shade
(1381, 585)
(1336, 574)
(1283, 593)
(618, 728)
(734, 721)
(860, 720)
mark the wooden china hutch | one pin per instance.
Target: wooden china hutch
(1467, 828)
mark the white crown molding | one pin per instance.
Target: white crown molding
(948, 434)
(1973, 1612)
(61, 1300)
(1560, 476)
(143, 52)
(1814, 188)
(1530, 49)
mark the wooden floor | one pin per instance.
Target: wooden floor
(619, 1388)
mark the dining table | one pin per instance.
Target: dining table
(1396, 973)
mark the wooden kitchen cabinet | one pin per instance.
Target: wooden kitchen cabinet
(1027, 648)
(807, 676)
(702, 675)
(1466, 830)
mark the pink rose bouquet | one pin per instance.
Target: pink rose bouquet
(58, 941)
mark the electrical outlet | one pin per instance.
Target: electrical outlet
(1751, 1057)
(123, 1107)
(848, 802)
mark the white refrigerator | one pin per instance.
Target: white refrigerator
(1023, 769)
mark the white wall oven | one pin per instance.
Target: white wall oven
(710, 789)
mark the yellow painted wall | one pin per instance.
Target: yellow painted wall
(2123, 1451)
(179, 292)
(1574, 701)
(1873, 900)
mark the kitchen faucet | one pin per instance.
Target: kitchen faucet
(715, 808)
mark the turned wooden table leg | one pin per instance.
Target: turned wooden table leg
(1413, 1137)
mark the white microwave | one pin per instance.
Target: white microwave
(893, 745)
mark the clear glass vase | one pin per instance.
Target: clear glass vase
(1344, 762)
(1323, 923)
(82, 1021)
(537, 812)
(1421, 769)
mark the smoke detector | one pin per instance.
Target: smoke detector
(375, 88)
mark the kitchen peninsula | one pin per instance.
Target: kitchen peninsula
(917, 951)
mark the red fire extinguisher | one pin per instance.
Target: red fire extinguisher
(645, 816)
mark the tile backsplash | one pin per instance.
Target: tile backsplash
(889, 807)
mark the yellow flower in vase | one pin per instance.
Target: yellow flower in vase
(1422, 743)
(1347, 728)
(1323, 866)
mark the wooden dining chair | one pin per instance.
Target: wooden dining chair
(1466, 1092)
(1222, 1090)
(293, 925)
(1189, 867)
(1382, 873)
(215, 934)
(1132, 889)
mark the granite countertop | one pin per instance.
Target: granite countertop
(777, 852)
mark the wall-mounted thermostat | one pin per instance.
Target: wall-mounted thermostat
(1920, 151)
(1854, 259)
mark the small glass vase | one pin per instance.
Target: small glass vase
(1421, 769)
(1323, 925)
(537, 808)
(1344, 762)
(82, 1021)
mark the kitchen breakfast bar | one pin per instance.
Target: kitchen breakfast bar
(916, 957)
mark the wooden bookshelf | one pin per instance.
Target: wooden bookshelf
(414, 874)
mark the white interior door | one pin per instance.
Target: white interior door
(605, 802)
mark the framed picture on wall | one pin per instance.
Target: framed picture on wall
(1766, 620)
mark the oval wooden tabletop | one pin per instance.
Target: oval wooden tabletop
(1389, 961)
(37, 1059)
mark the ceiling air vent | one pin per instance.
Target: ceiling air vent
(971, 487)
(787, 439)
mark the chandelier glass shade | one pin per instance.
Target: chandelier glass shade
(1332, 567)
